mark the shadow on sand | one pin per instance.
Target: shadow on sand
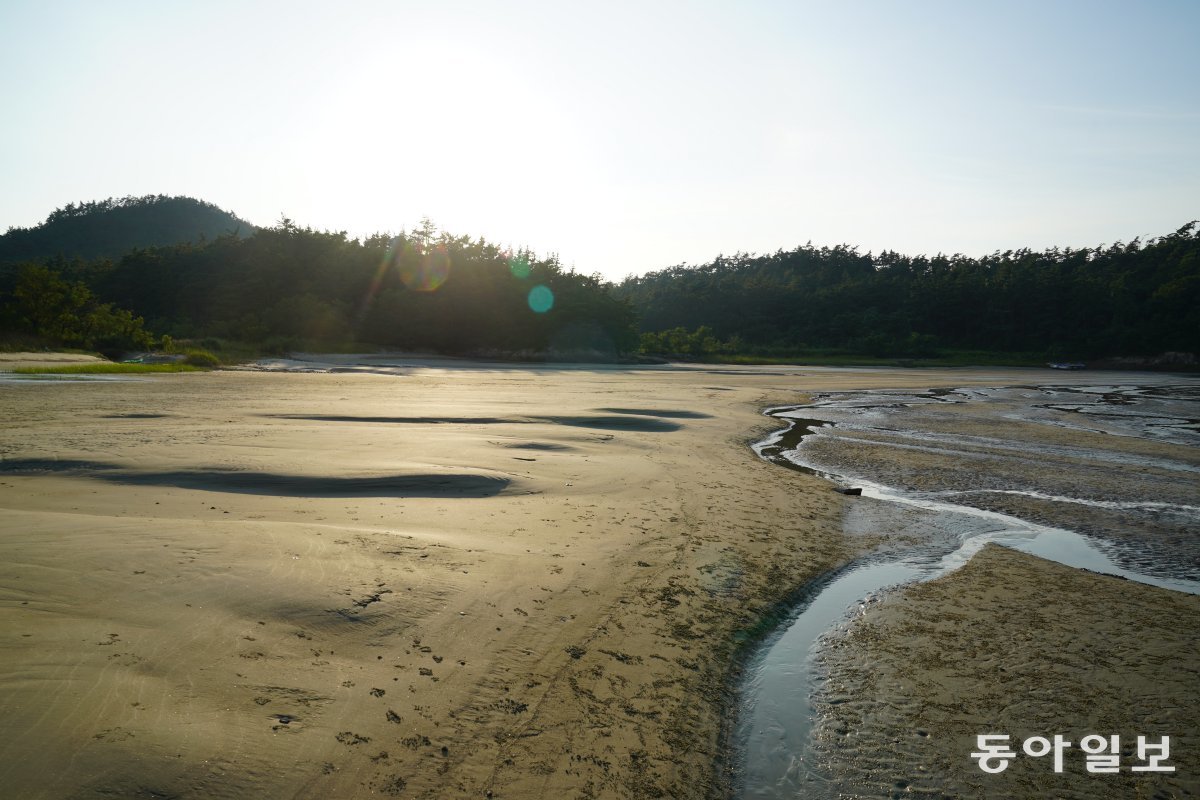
(548, 447)
(674, 413)
(271, 483)
(608, 423)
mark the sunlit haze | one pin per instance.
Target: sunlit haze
(624, 137)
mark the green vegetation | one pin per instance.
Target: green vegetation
(200, 358)
(106, 368)
(46, 306)
(840, 358)
(222, 297)
(113, 227)
(289, 288)
(681, 342)
(701, 345)
(1123, 300)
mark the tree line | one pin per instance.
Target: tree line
(112, 227)
(286, 287)
(1135, 298)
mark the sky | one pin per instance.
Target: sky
(622, 136)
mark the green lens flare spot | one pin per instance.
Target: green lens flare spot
(519, 267)
(541, 299)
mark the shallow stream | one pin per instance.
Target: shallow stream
(1103, 478)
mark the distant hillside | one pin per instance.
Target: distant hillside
(288, 288)
(1135, 299)
(111, 228)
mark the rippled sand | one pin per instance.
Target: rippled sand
(1015, 645)
(405, 581)
(396, 578)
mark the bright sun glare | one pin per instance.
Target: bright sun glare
(468, 140)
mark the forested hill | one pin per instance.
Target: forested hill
(1140, 298)
(289, 288)
(110, 273)
(113, 227)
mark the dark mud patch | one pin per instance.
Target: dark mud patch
(670, 413)
(640, 424)
(135, 416)
(612, 423)
(270, 483)
(775, 448)
(548, 447)
(35, 466)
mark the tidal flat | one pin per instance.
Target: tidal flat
(392, 577)
(874, 690)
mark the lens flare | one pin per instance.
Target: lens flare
(372, 290)
(395, 250)
(541, 299)
(428, 272)
(519, 267)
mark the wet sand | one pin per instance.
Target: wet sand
(44, 359)
(1011, 644)
(442, 580)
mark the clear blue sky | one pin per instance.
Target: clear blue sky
(625, 136)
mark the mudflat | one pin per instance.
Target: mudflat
(426, 580)
(1018, 646)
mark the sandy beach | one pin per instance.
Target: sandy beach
(439, 580)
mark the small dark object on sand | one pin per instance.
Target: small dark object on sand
(855, 491)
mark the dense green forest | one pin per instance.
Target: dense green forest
(287, 287)
(1139, 298)
(111, 228)
(216, 279)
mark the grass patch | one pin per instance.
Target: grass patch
(105, 369)
(201, 358)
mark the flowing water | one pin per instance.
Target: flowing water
(1103, 478)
